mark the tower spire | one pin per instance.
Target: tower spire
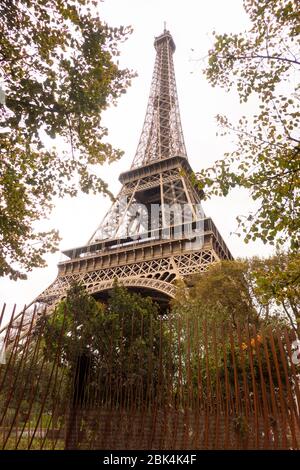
(162, 135)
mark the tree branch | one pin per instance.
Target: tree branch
(289, 317)
(259, 56)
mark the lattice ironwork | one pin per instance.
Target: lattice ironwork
(162, 135)
(156, 275)
(166, 191)
(161, 141)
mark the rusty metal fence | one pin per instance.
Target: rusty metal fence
(182, 384)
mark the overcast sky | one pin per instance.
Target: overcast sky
(191, 23)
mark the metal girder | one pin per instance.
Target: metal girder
(157, 274)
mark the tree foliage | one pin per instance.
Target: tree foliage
(227, 324)
(262, 63)
(58, 64)
(115, 341)
(251, 292)
(224, 294)
(277, 281)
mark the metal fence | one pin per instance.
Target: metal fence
(170, 383)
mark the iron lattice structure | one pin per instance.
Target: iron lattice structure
(156, 231)
(162, 135)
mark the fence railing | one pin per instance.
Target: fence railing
(164, 383)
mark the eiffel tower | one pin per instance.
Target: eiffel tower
(156, 231)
